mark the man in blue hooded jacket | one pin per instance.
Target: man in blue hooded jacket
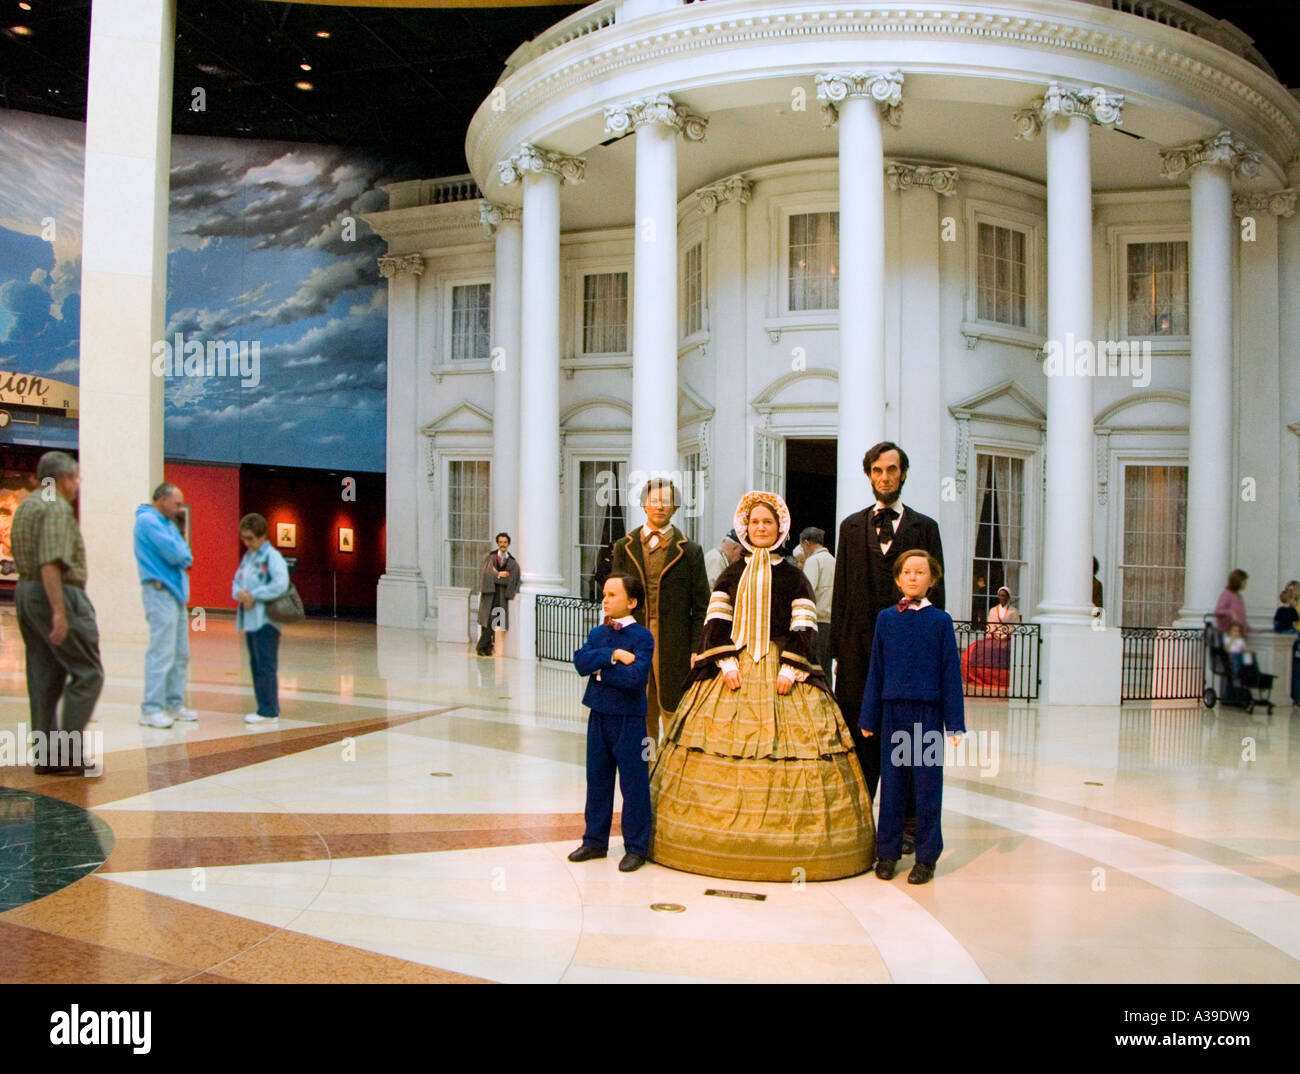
(162, 557)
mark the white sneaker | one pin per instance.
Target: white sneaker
(183, 714)
(155, 719)
(254, 717)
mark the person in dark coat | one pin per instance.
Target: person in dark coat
(671, 569)
(913, 696)
(870, 543)
(498, 585)
(617, 656)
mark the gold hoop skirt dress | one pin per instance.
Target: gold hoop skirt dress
(752, 785)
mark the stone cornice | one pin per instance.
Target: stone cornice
(493, 214)
(530, 159)
(734, 188)
(1191, 66)
(899, 175)
(403, 265)
(1279, 203)
(621, 119)
(883, 87)
(1222, 150)
(1096, 105)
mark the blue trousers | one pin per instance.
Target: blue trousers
(264, 656)
(167, 660)
(904, 771)
(614, 744)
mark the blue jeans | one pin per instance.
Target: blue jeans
(264, 656)
(167, 662)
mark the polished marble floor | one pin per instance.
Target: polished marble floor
(410, 816)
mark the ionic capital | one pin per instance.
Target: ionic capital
(900, 175)
(1223, 151)
(408, 264)
(1279, 203)
(492, 215)
(621, 119)
(883, 87)
(1096, 105)
(734, 188)
(530, 159)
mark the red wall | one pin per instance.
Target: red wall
(213, 495)
(313, 501)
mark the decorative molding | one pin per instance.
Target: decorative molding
(431, 461)
(1102, 441)
(407, 264)
(623, 119)
(1096, 105)
(706, 454)
(493, 214)
(530, 159)
(1222, 150)
(883, 87)
(1279, 203)
(734, 188)
(963, 452)
(900, 175)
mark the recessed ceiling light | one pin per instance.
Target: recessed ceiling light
(305, 66)
(322, 33)
(25, 6)
(304, 85)
(21, 31)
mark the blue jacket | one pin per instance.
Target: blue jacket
(914, 658)
(161, 554)
(265, 574)
(620, 690)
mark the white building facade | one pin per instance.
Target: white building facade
(1049, 247)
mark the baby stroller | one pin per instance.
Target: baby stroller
(1242, 686)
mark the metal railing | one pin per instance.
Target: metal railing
(1000, 659)
(997, 661)
(1162, 663)
(563, 624)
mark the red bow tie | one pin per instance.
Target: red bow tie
(908, 602)
(611, 622)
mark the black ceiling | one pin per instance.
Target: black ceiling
(401, 82)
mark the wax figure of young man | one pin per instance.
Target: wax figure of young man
(870, 543)
(670, 567)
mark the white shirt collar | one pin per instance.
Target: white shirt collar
(897, 505)
(627, 620)
(925, 603)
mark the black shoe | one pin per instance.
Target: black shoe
(885, 869)
(630, 863)
(586, 853)
(922, 873)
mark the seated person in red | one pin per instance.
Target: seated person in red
(617, 656)
(913, 696)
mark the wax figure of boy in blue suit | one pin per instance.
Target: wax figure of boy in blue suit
(913, 695)
(618, 657)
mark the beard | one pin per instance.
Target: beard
(889, 498)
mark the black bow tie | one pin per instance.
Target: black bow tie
(884, 522)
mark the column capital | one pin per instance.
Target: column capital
(1279, 203)
(734, 188)
(492, 215)
(899, 175)
(883, 87)
(1096, 105)
(530, 159)
(408, 264)
(621, 119)
(1222, 150)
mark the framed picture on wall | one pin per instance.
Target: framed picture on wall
(345, 539)
(183, 517)
(286, 535)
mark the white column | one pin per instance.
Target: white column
(503, 221)
(922, 191)
(1289, 361)
(728, 334)
(402, 598)
(1258, 400)
(656, 121)
(1210, 492)
(1081, 664)
(541, 173)
(860, 102)
(123, 291)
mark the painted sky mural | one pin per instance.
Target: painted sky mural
(268, 259)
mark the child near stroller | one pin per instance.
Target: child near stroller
(1236, 674)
